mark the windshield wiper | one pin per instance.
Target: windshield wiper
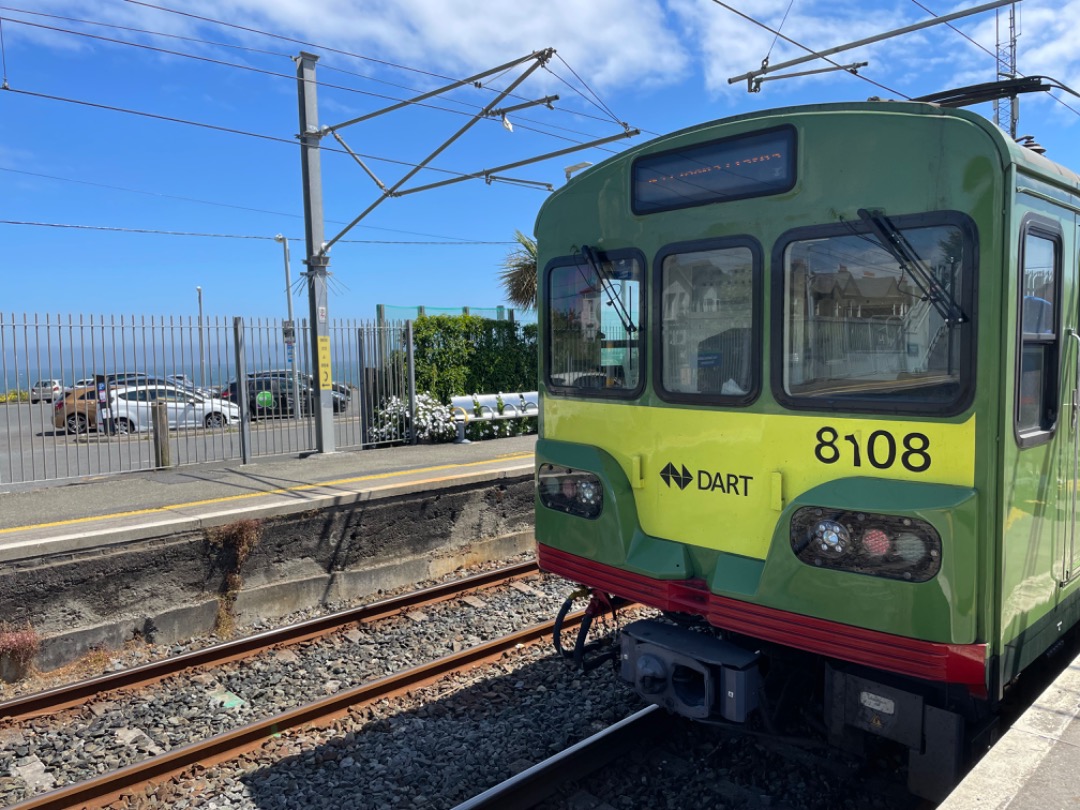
(894, 241)
(606, 285)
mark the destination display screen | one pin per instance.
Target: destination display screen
(744, 166)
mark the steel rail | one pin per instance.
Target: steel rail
(227, 746)
(42, 703)
(532, 786)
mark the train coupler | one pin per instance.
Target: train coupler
(692, 674)
(586, 654)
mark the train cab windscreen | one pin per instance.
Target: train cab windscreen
(594, 325)
(706, 324)
(866, 325)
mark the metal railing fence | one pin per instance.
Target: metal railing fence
(184, 364)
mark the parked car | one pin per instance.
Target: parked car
(47, 391)
(182, 381)
(273, 396)
(133, 378)
(268, 396)
(76, 412)
(130, 408)
(306, 379)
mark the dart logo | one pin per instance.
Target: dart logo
(672, 475)
(707, 481)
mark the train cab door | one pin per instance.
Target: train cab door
(1047, 412)
(1071, 375)
(1059, 252)
(1070, 563)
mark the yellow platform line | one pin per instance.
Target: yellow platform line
(280, 491)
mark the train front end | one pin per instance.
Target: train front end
(759, 414)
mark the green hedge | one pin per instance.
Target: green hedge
(467, 354)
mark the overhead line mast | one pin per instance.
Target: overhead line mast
(1007, 110)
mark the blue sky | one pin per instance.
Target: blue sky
(658, 65)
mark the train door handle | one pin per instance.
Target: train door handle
(1076, 378)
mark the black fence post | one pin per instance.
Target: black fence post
(411, 361)
(242, 390)
(363, 391)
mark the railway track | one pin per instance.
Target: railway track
(543, 780)
(98, 702)
(134, 779)
(654, 759)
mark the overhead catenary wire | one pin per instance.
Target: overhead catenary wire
(776, 36)
(284, 38)
(158, 232)
(3, 53)
(537, 126)
(599, 102)
(224, 205)
(132, 29)
(248, 49)
(196, 57)
(218, 128)
(788, 39)
(307, 43)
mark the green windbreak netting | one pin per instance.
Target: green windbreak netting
(392, 312)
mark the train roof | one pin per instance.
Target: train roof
(1011, 151)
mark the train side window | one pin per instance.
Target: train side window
(1037, 387)
(707, 343)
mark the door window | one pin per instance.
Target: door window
(1039, 349)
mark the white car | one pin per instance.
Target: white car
(130, 408)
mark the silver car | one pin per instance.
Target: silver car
(47, 391)
(130, 408)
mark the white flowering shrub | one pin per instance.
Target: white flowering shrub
(433, 422)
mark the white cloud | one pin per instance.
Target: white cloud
(626, 46)
(609, 45)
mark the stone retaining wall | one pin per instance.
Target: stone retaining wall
(173, 587)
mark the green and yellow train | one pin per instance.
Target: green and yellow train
(809, 385)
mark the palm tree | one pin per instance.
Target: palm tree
(518, 274)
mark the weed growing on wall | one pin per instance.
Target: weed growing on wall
(236, 541)
(239, 537)
(18, 648)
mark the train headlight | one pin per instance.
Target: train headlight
(831, 537)
(575, 492)
(889, 546)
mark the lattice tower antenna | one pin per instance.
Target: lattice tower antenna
(1007, 110)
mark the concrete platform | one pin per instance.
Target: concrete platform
(1036, 765)
(66, 516)
(95, 563)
